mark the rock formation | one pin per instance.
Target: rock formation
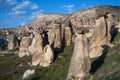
(36, 49)
(109, 21)
(80, 62)
(25, 43)
(88, 29)
(27, 74)
(68, 36)
(101, 35)
(47, 57)
(13, 42)
(57, 41)
(51, 36)
(59, 30)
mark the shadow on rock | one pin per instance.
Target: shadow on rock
(57, 51)
(113, 33)
(100, 61)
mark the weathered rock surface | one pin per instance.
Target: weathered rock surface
(36, 49)
(13, 42)
(109, 21)
(51, 36)
(25, 43)
(88, 29)
(58, 30)
(101, 35)
(57, 42)
(80, 62)
(68, 36)
(47, 57)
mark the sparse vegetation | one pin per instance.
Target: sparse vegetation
(58, 70)
(106, 67)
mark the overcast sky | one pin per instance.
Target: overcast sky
(15, 13)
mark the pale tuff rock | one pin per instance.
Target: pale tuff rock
(36, 49)
(99, 38)
(13, 42)
(91, 21)
(25, 43)
(80, 62)
(47, 57)
(57, 42)
(27, 74)
(36, 59)
(40, 56)
(68, 36)
(51, 36)
(82, 21)
(109, 21)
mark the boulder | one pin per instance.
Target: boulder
(47, 57)
(27, 74)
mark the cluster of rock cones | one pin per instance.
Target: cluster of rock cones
(90, 30)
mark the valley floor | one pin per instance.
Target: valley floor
(105, 67)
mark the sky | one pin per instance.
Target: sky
(14, 13)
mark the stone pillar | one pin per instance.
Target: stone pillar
(57, 42)
(36, 48)
(12, 42)
(80, 62)
(68, 36)
(51, 36)
(109, 21)
(25, 43)
(99, 38)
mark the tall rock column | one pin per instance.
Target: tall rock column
(36, 49)
(109, 20)
(80, 62)
(25, 43)
(99, 37)
(51, 36)
(57, 41)
(12, 43)
(68, 36)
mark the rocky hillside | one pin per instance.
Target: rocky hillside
(91, 13)
(91, 31)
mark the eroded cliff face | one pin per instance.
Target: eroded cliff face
(88, 29)
(60, 29)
